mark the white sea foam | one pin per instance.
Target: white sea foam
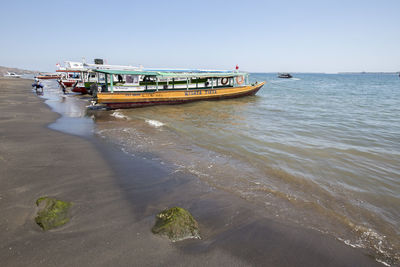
(126, 151)
(119, 115)
(155, 123)
(198, 173)
(384, 263)
(349, 243)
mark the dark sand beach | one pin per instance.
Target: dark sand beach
(115, 199)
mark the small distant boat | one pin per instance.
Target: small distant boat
(285, 75)
(48, 76)
(12, 75)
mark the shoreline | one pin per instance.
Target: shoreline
(116, 197)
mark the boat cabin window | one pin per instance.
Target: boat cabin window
(132, 79)
(149, 79)
(101, 77)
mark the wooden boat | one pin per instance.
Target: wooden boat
(145, 88)
(69, 77)
(48, 76)
(75, 80)
(72, 76)
(79, 76)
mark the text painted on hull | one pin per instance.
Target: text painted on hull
(187, 93)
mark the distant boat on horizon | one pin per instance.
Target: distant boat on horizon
(12, 75)
(285, 75)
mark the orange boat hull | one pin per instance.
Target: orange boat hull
(163, 97)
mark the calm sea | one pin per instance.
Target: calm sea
(319, 150)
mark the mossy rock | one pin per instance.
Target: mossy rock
(176, 224)
(52, 212)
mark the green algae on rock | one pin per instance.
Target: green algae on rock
(177, 224)
(52, 212)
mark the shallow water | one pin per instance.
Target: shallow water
(319, 150)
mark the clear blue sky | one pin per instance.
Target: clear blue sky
(261, 36)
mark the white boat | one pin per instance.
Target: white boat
(80, 75)
(12, 75)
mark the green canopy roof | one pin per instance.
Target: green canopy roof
(199, 74)
(174, 74)
(128, 72)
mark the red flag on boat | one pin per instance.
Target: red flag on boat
(237, 66)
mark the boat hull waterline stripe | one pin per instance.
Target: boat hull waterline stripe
(129, 100)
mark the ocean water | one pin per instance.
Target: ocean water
(318, 150)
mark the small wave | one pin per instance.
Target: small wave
(384, 263)
(126, 151)
(119, 115)
(295, 79)
(197, 173)
(349, 243)
(155, 123)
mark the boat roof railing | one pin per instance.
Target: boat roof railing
(185, 70)
(175, 74)
(72, 70)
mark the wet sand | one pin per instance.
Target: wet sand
(116, 197)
